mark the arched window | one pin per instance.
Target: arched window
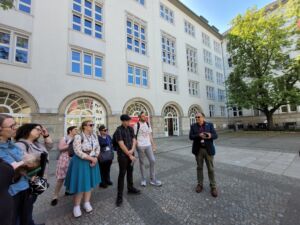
(192, 113)
(14, 105)
(171, 121)
(82, 109)
(135, 109)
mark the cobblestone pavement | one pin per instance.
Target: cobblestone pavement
(247, 196)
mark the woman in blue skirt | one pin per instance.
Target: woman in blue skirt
(83, 173)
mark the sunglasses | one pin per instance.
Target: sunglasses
(104, 130)
(90, 125)
(197, 117)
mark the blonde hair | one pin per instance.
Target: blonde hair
(84, 123)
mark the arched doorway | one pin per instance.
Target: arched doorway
(85, 108)
(134, 109)
(171, 118)
(13, 104)
(192, 113)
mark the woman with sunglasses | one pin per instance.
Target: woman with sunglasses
(105, 157)
(15, 206)
(83, 173)
(27, 139)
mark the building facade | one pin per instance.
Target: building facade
(285, 116)
(62, 62)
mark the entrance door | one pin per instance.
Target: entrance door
(170, 127)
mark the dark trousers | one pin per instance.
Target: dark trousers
(21, 208)
(32, 199)
(124, 166)
(105, 171)
(6, 208)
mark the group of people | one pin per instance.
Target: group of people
(84, 162)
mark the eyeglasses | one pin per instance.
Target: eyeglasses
(13, 126)
(90, 125)
(197, 117)
(104, 130)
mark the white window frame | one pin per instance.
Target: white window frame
(13, 35)
(141, 75)
(217, 47)
(19, 2)
(141, 25)
(207, 56)
(223, 111)
(171, 80)
(220, 78)
(221, 95)
(194, 88)
(206, 39)
(140, 2)
(189, 28)
(168, 49)
(212, 110)
(210, 93)
(218, 62)
(92, 18)
(166, 13)
(209, 74)
(82, 63)
(191, 57)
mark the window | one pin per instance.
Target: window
(189, 28)
(211, 110)
(237, 111)
(168, 49)
(229, 62)
(209, 74)
(142, 2)
(221, 95)
(14, 47)
(24, 6)
(137, 76)
(207, 57)
(217, 47)
(191, 58)
(194, 88)
(210, 92)
(205, 39)
(86, 64)
(293, 108)
(136, 35)
(88, 18)
(284, 109)
(166, 13)
(222, 110)
(218, 62)
(220, 78)
(170, 83)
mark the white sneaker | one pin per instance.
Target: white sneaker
(77, 211)
(156, 183)
(143, 183)
(87, 207)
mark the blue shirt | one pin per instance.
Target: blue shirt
(11, 153)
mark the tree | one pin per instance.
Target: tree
(6, 4)
(264, 77)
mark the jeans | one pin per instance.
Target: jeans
(142, 151)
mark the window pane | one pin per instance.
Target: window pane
(4, 38)
(98, 27)
(21, 56)
(75, 56)
(98, 72)
(24, 8)
(4, 52)
(130, 79)
(22, 42)
(88, 59)
(87, 70)
(75, 67)
(98, 61)
(130, 69)
(76, 7)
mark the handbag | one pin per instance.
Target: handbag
(107, 153)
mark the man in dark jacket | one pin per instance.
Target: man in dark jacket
(203, 133)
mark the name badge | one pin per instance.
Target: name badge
(107, 148)
(202, 141)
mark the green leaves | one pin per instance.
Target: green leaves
(264, 76)
(6, 4)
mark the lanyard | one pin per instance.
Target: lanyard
(90, 140)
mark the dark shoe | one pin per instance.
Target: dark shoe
(54, 202)
(133, 190)
(214, 192)
(68, 193)
(103, 185)
(199, 188)
(119, 201)
(109, 183)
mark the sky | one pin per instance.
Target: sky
(220, 12)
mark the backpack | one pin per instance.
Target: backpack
(138, 128)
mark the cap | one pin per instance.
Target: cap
(102, 127)
(125, 117)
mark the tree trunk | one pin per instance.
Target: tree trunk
(269, 116)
